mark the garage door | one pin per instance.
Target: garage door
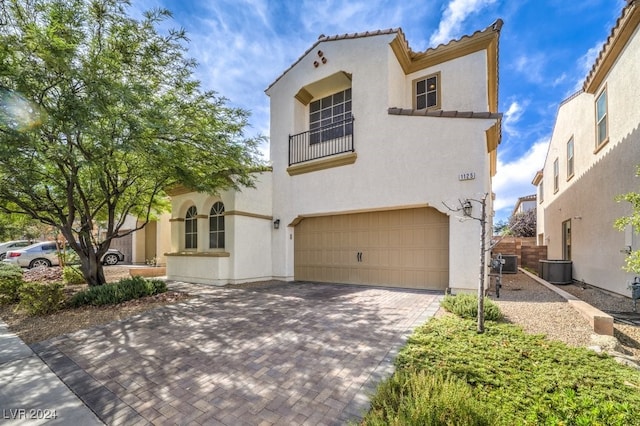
(398, 248)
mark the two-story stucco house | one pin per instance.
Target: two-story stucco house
(369, 140)
(593, 156)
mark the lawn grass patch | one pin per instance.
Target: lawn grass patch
(525, 379)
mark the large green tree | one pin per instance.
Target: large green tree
(99, 113)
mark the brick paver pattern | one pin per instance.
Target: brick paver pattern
(287, 353)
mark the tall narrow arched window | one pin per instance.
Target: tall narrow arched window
(191, 228)
(216, 226)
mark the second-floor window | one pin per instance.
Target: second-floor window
(427, 92)
(556, 174)
(602, 132)
(570, 159)
(330, 117)
(541, 190)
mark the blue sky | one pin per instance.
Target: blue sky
(546, 49)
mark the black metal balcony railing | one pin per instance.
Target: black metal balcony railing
(336, 138)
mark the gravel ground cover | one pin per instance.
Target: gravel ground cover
(541, 311)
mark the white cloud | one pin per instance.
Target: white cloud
(513, 179)
(585, 62)
(512, 116)
(454, 15)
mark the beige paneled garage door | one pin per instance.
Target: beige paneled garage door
(398, 248)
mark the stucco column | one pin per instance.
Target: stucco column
(177, 234)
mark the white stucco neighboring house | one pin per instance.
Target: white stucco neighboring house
(593, 156)
(524, 204)
(369, 140)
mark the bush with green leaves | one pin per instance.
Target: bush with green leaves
(419, 398)
(123, 290)
(41, 298)
(72, 275)
(10, 282)
(465, 305)
(527, 379)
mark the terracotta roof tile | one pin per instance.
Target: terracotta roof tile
(609, 47)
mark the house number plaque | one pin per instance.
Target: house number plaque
(467, 176)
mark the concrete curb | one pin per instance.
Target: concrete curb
(602, 323)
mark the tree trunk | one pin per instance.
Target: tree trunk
(92, 270)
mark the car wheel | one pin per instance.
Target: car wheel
(36, 263)
(111, 259)
(2, 256)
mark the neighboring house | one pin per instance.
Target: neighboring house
(593, 156)
(369, 140)
(524, 204)
(146, 245)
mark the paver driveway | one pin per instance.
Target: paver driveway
(287, 353)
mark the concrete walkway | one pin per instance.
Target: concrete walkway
(30, 393)
(282, 354)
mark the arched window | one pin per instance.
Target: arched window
(216, 226)
(191, 228)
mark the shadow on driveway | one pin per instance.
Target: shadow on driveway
(284, 354)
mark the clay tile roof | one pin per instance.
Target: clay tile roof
(446, 114)
(323, 38)
(620, 34)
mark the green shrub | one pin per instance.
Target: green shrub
(39, 298)
(72, 275)
(10, 282)
(123, 290)
(466, 306)
(528, 379)
(419, 398)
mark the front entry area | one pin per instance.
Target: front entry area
(406, 248)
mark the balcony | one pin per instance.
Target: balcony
(335, 138)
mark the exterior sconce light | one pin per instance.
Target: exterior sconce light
(276, 224)
(466, 208)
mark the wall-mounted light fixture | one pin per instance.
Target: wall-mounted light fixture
(466, 208)
(276, 224)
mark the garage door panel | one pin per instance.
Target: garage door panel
(400, 248)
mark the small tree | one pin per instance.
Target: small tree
(632, 262)
(99, 113)
(522, 224)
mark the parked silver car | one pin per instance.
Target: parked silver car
(13, 245)
(46, 254)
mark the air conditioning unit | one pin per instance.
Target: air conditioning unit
(510, 264)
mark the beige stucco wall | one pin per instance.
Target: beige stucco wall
(248, 230)
(401, 160)
(588, 199)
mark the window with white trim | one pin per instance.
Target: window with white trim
(426, 92)
(570, 156)
(602, 132)
(556, 174)
(191, 228)
(216, 226)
